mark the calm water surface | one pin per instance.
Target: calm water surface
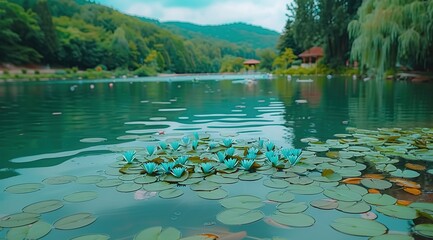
(71, 128)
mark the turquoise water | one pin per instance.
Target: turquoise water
(79, 127)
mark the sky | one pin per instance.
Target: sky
(269, 14)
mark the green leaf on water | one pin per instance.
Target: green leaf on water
(424, 229)
(43, 207)
(213, 195)
(33, 231)
(359, 227)
(292, 207)
(18, 219)
(402, 212)
(239, 216)
(293, 220)
(379, 199)
(158, 233)
(342, 195)
(81, 196)
(75, 221)
(280, 196)
(24, 188)
(376, 183)
(170, 193)
(242, 201)
(92, 237)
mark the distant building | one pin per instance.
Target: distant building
(311, 56)
(251, 63)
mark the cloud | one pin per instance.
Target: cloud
(265, 13)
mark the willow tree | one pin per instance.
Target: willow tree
(390, 32)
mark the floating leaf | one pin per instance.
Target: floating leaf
(18, 219)
(239, 216)
(157, 186)
(33, 231)
(376, 183)
(280, 196)
(204, 186)
(405, 173)
(24, 188)
(250, 176)
(75, 221)
(413, 166)
(158, 233)
(221, 180)
(145, 179)
(379, 199)
(353, 207)
(402, 212)
(275, 183)
(293, 220)
(43, 207)
(81, 196)
(91, 179)
(392, 237)
(129, 187)
(213, 195)
(325, 204)
(359, 227)
(423, 206)
(342, 195)
(413, 191)
(425, 229)
(305, 189)
(291, 207)
(242, 201)
(92, 237)
(170, 193)
(59, 180)
(358, 189)
(109, 183)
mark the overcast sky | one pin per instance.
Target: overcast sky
(266, 13)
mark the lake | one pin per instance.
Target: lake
(62, 145)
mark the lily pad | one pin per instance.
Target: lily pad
(109, 183)
(213, 195)
(91, 179)
(342, 195)
(300, 180)
(158, 233)
(81, 196)
(293, 220)
(422, 206)
(43, 207)
(324, 204)
(376, 183)
(130, 187)
(59, 180)
(353, 207)
(18, 219)
(250, 176)
(75, 221)
(392, 237)
(379, 199)
(425, 229)
(24, 188)
(33, 231)
(292, 207)
(359, 227)
(190, 181)
(275, 183)
(170, 193)
(239, 216)
(92, 237)
(280, 196)
(405, 173)
(204, 186)
(242, 201)
(402, 212)
(221, 180)
(305, 189)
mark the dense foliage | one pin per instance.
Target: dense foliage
(82, 34)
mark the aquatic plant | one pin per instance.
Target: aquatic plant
(247, 164)
(175, 145)
(227, 142)
(129, 156)
(196, 136)
(186, 140)
(231, 163)
(194, 144)
(221, 156)
(293, 155)
(150, 167)
(212, 145)
(167, 166)
(207, 167)
(293, 159)
(273, 158)
(163, 145)
(150, 149)
(253, 150)
(178, 171)
(230, 151)
(251, 156)
(270, 146)
(261, 143)
(181, 160)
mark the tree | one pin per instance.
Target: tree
(120, 49)
(267, 57)
(284, 60)
(50, 44)
(390, 32)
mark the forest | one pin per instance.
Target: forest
(378, 36)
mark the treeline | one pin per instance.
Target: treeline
(378, 35)
(84, 34)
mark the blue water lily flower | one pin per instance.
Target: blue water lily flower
(247, 164)
(230, 151)
(182, 160)
(194, 144)
(285, 152)
(231, 163)
(167, 166)
(129, 156)
(150, 167)
(207, 167)
(261, 143)
(253, 150)
(227, 142)
(251, 156)
(150, 149)
(270, 154)
(196, 136)
(212, 145)
(293, 159)
(274, 159)
(221, 156)
(186, 140)
(163, 145)
(175, 145)
(178, 171)
(270, 146)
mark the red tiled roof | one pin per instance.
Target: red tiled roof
(312, 52)
(251, 62)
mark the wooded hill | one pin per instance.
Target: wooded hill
(84, 34)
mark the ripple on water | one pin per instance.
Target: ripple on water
(92, 140)
(171, 109)
(157, 118)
